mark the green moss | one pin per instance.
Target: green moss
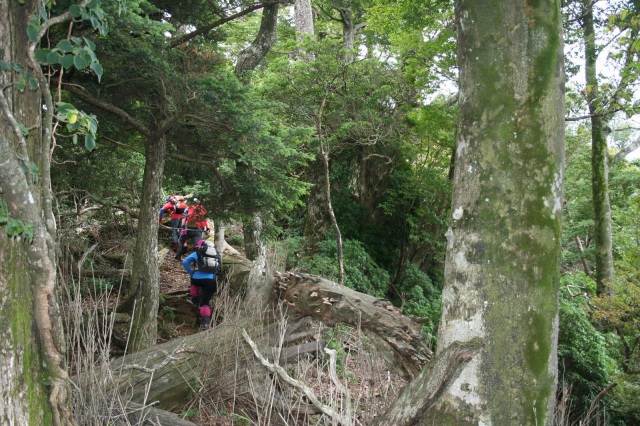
(546, 62)
(19, 315)
(538, 346)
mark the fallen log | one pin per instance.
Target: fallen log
(169, 373)
(151, 416)
(335, 304)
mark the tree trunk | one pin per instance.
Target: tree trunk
(599, 161)
(303, 15)
(250, 57)
(252, 232)
(324, 154)
(34, 385)
(218, 235)
(503, 251)
(318, 221)
(145, 276)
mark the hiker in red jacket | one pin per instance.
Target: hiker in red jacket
(176, 205)
(194, 224)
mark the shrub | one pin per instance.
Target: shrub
(584, 360)
(420, 297)
(360, 271)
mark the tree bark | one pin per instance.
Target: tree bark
(144, 289)
(317, 221)
(250, 57)
(34, 386)
(503, 245)
(254, 247)
(219, 231)
(599, 160)
(303, 16)
(397, 335)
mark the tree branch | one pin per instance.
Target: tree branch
(87, 97)
(277, 369)
(203, 30)
(626, 150)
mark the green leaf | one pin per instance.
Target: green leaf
(66, 61)
(80, 61)
(14, 227)
(53, 58)
(89, 142)
(64, 107)
(75, 139)
(65, 45)
(22, 83)
(27, 233)
(23, 130)
(32, 33)
(33, 82)
(75, 11)
(72, 127)
(97, 68)
(4, 212)
(43, 13)
(89, 43)
(41, 55)
(93, 124)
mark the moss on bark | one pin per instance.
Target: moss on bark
(504, 249)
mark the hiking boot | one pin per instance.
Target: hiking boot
(205, 322)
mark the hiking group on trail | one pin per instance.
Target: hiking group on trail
(204, 264)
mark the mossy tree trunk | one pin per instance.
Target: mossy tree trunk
(145, 275)
(144, 290)
(249, 58)
(34, 387)
(317, 222)
(599, 159)
(503, 251)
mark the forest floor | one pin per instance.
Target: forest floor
(370, 384)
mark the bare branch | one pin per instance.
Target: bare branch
(277, 369)
(204, 30)
(626, 150)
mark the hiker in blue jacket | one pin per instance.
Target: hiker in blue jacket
(203, 287)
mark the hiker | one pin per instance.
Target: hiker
(208, 265)
(176, 204)
(193, 224)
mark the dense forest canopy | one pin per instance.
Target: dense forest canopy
(323, 137)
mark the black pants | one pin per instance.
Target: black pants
(202, 290)
(192, 234)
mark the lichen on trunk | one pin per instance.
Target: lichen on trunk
(503, 251)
